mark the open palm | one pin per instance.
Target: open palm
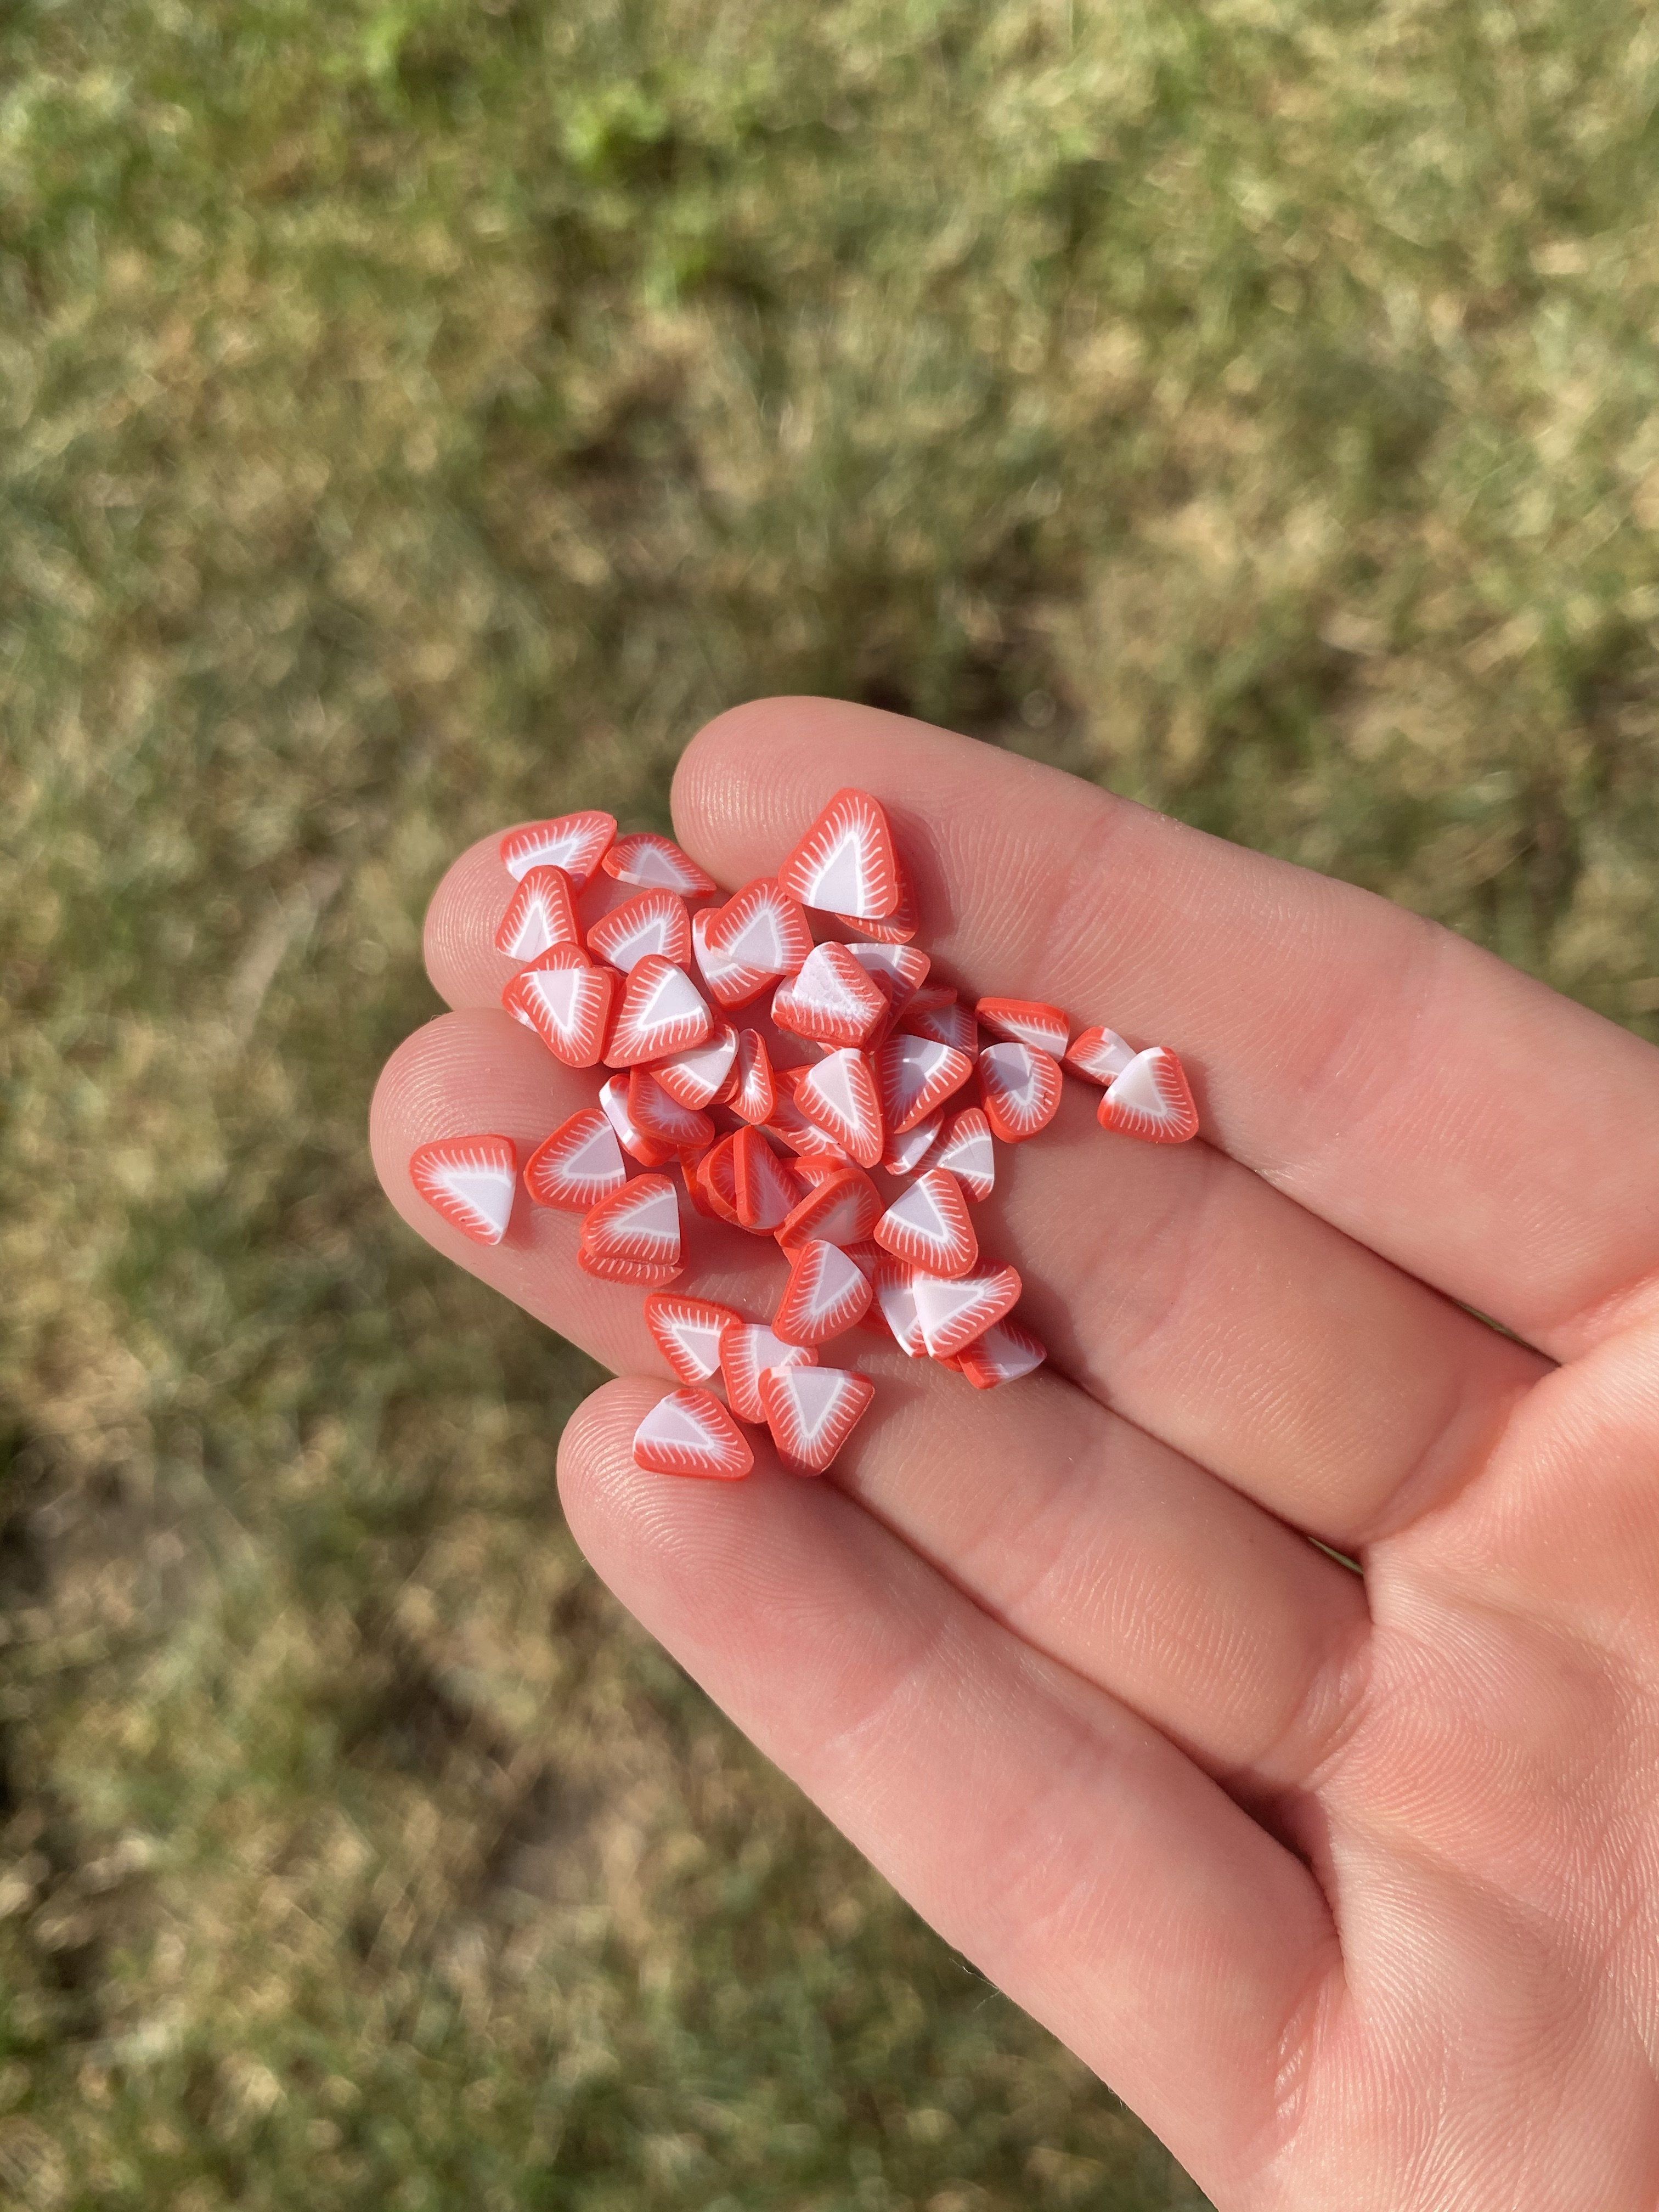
(1349, 1886)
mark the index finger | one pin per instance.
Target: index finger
(1458, 1117)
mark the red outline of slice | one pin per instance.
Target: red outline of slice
(783, 1395)
(491, 1155)
(667, 1312)
(635, 1038)
(541, 914)
(1010, 1121)
(543, 1180)
(575, 843)
(938, 1196)
(852, 821)
(594, 990)
(808, 1313)
(1179, 1116)
(724, 1455)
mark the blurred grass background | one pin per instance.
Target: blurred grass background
(418, 415)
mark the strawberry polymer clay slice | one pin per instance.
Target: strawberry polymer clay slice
(841, 1209)
(688, 1333)
(574, 843)
(896, 1297)
(703, 1073)
(1021, 1088)
(688, 1432)
(1098, 1055)
(965, 1148)
(839, 1095)
(952, 1310)
(915, 1075)
(897, 928)
(831, 999)
(748, 1349)
(656, 1114)
(906, 1151)
(613, 1103)
(936, 1012)
(765, 1191)
(578, 1165)
(812, 1412)
(540, 914)
(652, 922)
(566, 1001)
(1002, 1354)
(825, 1294)
(791, 1126)
(662, 1013)
(718, 1181)
(470, 1181)
(928, 1226)
(754, 1092)
(657, 862)
(898, 971)
(845, 864)
(727, 981)
(1151, 1100)
(757, 936)
(1025, 1021)
(637, 1226)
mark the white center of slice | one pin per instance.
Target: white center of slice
(488, 1191)
(1013, 1071)
(560, 991)
(838, 882)
(673, 998)
(941, 1303)
(816, 1393)
(655, 1214)
(672, 1423)
(839, 1278)
(597, 1158)
(918, 1210)
(1138, 1087)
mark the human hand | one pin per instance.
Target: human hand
(1350, 1888)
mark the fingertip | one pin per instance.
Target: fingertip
(459, 937)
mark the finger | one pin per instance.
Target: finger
(1432, 1102)
(1182, 1288)
(1050, 1834)
(1103, 1546)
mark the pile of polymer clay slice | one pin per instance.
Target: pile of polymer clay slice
(893, 1079)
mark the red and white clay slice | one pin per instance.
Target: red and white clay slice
(838, 1095)
(966, 1149)
(914, 1075)
(688, 1333)
(652, 922)
(471, 1182)
(760, 934)
(688, 1432)
(566, 1001)
(638, 1226)
(662, 1013)
(897, 928)
(578, 1165)
(575, 843)
(657, 862)
(766, 1192)
(540, 914)
(705, 1073)
(748, 1350)
(754, 1092)
(812, 1412)
(898, 971)
(1026, 1021)
(660, 1116)
(1021, 1088)
(939, 1014)
(1151, 1100)
(1098, 1055)
(843, 1209)
(846, 865)
(953, 1310)
(831, 999)
(791, 1126)
(928, 1226)
(896, 1297)
(825, 1294)
(1004, 1353)
(908, 1148)
(613, 1104)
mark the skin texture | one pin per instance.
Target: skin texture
(1349, 1886)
